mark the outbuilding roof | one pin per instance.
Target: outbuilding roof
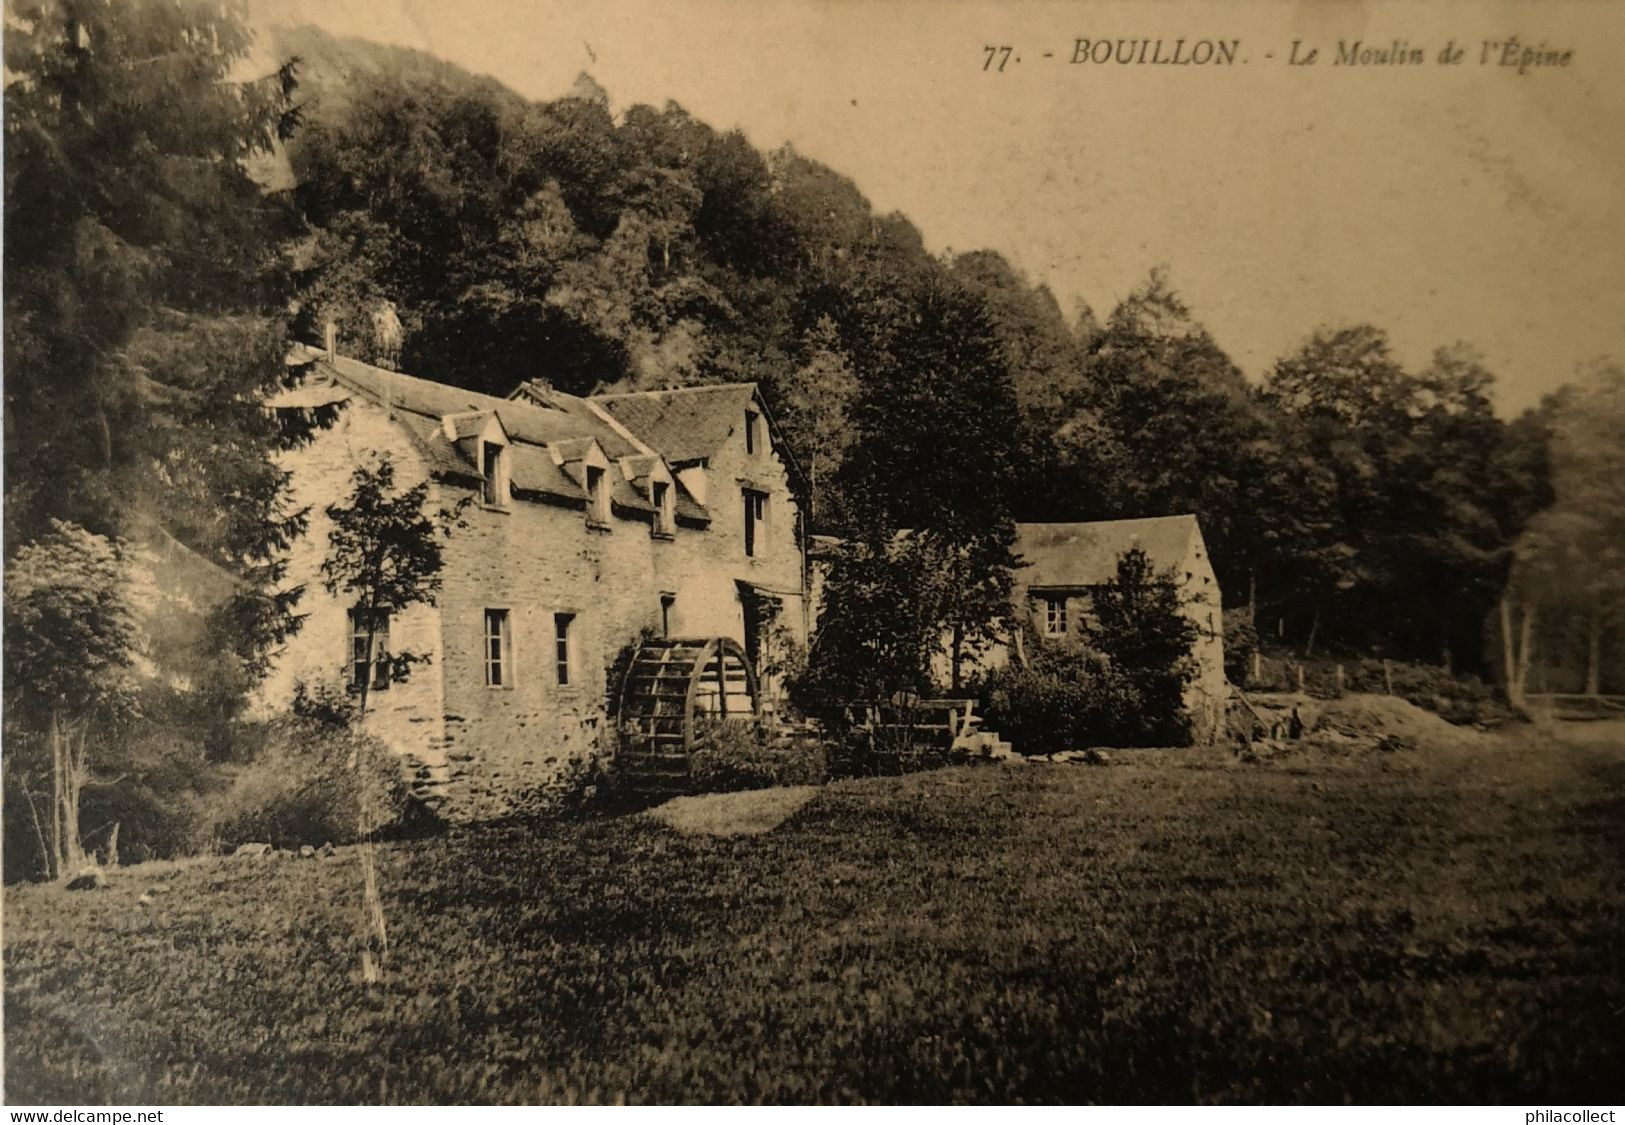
(1077, 555)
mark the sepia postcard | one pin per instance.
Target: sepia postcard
(814, 552)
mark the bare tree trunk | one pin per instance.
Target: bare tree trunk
(374, 934)
(1314, 627)
(39, 832)
(73, 846)
(1594, 654)
(1509, 661)
(68, 768)
(57, 858)
(1515, 652)
(1526, 641)
(958, 656)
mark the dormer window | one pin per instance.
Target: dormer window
(752, 438)
(597, 498)
(660, 497)
(493, 474)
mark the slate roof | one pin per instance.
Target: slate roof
(523, 421)
(422, 406)
(683, 425)
(1068, 555)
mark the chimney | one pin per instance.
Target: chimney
(330, 339)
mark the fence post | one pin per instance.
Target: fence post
(1299, 667)
(1257, 670)
(1387, 676)
(1340, 681)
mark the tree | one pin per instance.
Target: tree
(1139, 625)
(1428, 489)
(145, 293)
(72, 638)
(1571, 559)
(813, 402)
(880, 626)
(1158, 421)
(934, 453)
(385, 556)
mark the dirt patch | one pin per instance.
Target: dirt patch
(733, 814)
(1358, 721)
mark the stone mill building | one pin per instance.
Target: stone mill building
(589, 523)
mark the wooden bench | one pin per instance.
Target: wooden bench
(931, 724)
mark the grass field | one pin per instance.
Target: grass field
(1442, 924)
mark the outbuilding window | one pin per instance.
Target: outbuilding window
(1054, 616)
(597, 498)
(753, 440)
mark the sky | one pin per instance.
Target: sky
(1439, 202)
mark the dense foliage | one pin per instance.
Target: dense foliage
(1426, 926)
(1120, 682)
(1063, 697)
(1139, 624)
(71, 643)
(730, 756)
(146, 290)
(308, 785)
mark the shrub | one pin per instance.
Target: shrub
(733, 756)
(303, 788)
(323, 703)
(1065, 697)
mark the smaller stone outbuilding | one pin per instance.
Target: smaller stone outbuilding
(1064, 563)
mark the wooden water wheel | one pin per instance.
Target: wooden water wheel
(670, 685)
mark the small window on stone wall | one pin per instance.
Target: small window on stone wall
(562, 654)
(755, 517)
(498, 649)
(360, 667)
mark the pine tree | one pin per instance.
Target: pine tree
(145, 291)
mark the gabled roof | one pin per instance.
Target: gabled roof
(683, 425)
(424, 407)
(571, 418)
(1068, 555)
(469, 424)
